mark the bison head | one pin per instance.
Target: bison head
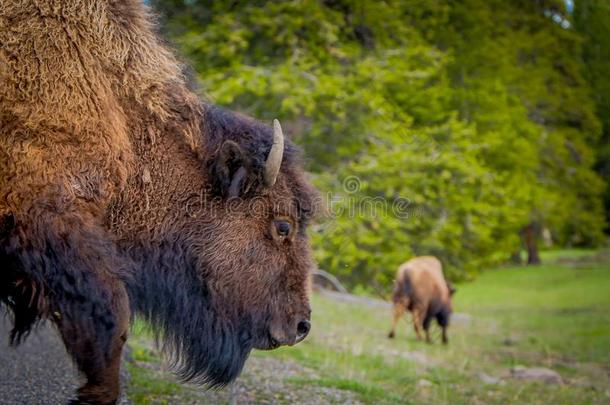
(233, 273)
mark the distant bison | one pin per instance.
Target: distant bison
(420, 287)
(122, 192)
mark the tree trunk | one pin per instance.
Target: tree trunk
(530, 239)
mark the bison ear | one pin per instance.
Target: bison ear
(230, 170)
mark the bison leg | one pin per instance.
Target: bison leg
(399, 310)
(417, 322)
(427, 321)
(98, 362)
(443, 320)
(81, 275)
(445, 339)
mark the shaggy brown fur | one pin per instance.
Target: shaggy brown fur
(114, 196)
(420, 287)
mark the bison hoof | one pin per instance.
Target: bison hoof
(98, 395)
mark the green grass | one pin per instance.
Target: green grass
(551, 256)
(556, 316)
(560, 311)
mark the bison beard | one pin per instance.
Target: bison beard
(204, 347)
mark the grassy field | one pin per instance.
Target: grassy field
(555, 316)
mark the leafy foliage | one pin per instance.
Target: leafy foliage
(432, 127)
(592, 19)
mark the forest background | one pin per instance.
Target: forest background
(477, 131)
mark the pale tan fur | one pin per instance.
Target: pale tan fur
(420, 288)
(425, 272)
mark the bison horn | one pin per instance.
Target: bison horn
(274, 159)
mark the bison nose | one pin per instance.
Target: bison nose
(302, 330)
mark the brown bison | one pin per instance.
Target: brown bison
(121, 192)
(420, 287)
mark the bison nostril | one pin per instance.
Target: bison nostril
(303, 329)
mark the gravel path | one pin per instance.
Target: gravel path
(38, 371)
(265, 381)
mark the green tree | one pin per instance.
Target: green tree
(517, 75)
(592, 20)
(434, 127)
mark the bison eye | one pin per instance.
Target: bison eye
(283, 228)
